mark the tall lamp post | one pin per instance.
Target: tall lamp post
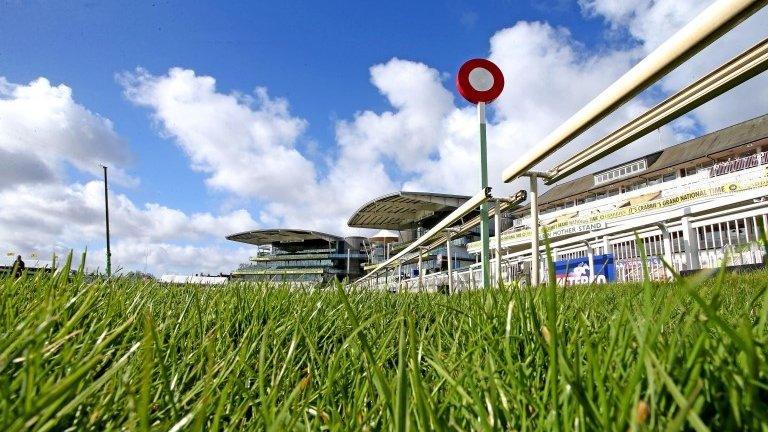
(480, 82)
(106, 215)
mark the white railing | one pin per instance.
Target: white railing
(732, 237)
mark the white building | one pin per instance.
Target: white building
(695, 205)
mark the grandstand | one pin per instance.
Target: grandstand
(300, 256)
(411, 214)
(694, 204)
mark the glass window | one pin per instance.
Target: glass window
(669, 177)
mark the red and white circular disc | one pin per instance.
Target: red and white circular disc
(479, 80)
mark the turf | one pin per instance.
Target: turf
(78, 354)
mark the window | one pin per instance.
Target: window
(669, 177)
(620, 172)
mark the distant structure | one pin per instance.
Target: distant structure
(402, 218)
(300, 256)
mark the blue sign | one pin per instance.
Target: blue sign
(576, 271)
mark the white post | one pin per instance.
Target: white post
(484, 206)
(606, 245)
(421, 270)
(534, 196)
(691, 242)
(399, 275)
(591, 259)
(450, 264)
(667, 242)
(497, 229)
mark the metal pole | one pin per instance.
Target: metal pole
(106, 214)
(534, 196)
(400, 276)
(483, 206)
(591, 261)
(450, 264)
(421, 276)
(497, 229)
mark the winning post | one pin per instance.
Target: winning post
(480, 82)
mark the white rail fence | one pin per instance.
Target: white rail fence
(734, 239)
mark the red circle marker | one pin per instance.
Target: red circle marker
(479, 80)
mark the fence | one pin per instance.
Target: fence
(733, 238)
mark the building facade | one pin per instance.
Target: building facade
(410, 215)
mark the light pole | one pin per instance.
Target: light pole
(106, 216)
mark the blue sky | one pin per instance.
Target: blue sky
(318, 58)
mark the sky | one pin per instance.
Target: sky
(222, 117)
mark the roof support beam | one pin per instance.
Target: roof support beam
(709, 25)
(737, 71)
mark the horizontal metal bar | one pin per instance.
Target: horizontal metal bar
(514, 201)
(737, 71)
(709, 25)
(472, 204)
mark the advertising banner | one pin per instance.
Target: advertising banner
(576, 271)
(598, 220)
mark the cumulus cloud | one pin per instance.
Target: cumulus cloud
(42, 131)
(246, 143)
(58, 216)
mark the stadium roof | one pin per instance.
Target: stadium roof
(270, 236)
(400, 210)
(702, 147)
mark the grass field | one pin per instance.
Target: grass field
(119, 354)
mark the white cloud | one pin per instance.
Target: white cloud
(58, 217)
(246, 143)
(42, 128)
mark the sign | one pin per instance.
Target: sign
(739, 164)
(712, 191)
(479, 80)
(576, 229)
(577, 272)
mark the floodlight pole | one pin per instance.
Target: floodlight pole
(106, 215)
(483, 206)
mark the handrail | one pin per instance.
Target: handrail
(738, 70)
(503, 205)
(710, 24)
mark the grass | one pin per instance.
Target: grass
(129, 355)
